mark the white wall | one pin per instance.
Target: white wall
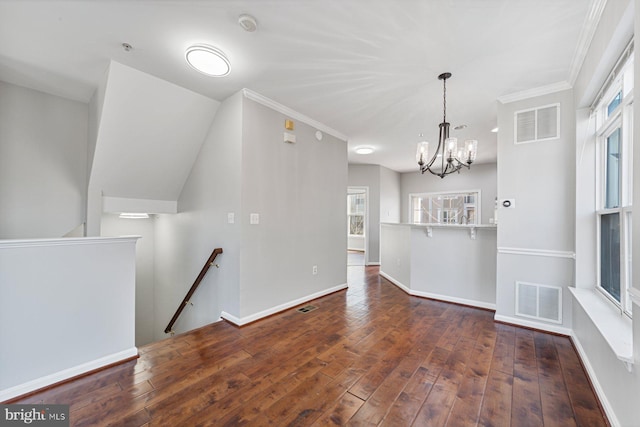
(184, 241)
(449, 265)
(383, 201)
(585, 234)
(355, 243)
(369, 176)
(244, 167)
(617, 388)
(395, 253)
(482, 177)
(113, 226)
(43, 161)
(540, 176)
(66, 307)
(390, 195)
(299, 190)
(149, 135)
(452, 266)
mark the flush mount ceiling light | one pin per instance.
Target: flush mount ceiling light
(364, 150)
(451, 159)
(208, 60)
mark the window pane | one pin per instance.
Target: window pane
(444, 208)
(612, 178)
(614, 103)
(356, 225)
(355, 204)
(610, 254)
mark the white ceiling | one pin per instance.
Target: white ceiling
(367, 68)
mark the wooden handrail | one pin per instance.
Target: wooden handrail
(196, 283)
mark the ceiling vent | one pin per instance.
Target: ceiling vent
(537, 124)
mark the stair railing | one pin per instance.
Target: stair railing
(196, 283)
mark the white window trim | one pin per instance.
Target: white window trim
(478, 218)
(622, 118)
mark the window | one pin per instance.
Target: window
(614, 116)
(355, 213)
(445, 208)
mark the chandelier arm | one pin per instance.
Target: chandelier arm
(430, 163)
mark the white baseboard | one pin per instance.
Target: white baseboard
(594, 381)
(439, 297)
(535, 325)
(66, 374)
(241, 321)
(395, 282)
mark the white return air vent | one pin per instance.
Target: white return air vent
(541, 302)
(537, 124)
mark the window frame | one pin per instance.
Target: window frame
(608, 122)
(477, 206)
(350, 214)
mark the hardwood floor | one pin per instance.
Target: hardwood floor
(371, 355)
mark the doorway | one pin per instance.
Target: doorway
(357, 221)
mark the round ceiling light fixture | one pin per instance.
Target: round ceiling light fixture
(364, 150)
(208, 60)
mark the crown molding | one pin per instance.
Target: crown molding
(267, 102)
(586, 36)
(532, 93)
(584, 42)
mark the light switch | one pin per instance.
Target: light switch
(231, 218)
(254, 218)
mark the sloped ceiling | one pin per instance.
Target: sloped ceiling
(149, 135)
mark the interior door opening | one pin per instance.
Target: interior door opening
(357, 221)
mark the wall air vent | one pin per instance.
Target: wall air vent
(537, 124)
(540, 302)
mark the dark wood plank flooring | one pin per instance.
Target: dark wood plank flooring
(371, 355)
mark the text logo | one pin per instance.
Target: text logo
(34, 415)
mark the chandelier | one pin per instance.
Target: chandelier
(452, 159)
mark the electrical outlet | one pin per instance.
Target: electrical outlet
(314, 270)
(231, 218)
(254, 219)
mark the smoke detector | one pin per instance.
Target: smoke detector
(248, 23)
